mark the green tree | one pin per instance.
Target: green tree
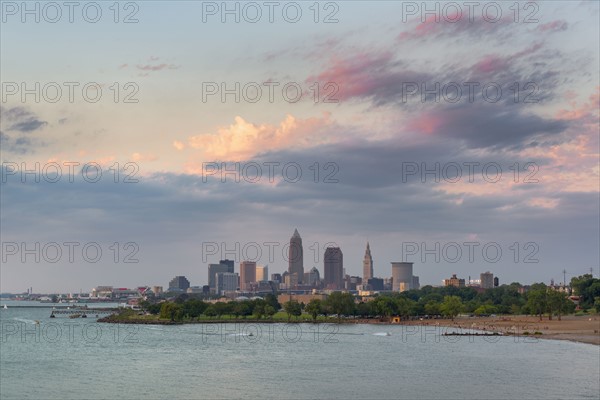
(210, 311)
(270, 311)
(172, 311)
(341, 304)
(537, 301)
(292, 307)
(451, 306)
(314, 308)
(432, 308)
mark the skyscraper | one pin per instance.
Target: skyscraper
(334, 268)
(296, 257)
(262, 273)
(367, 264)
(247, 274)
(402, 276)
(214, 269)
(487, 280)
(179, 283)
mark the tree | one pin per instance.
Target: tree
(537, 301)
(314, 308)
(270, 311)
(558, 303)
(341, 304)
(432, 308)
(210, 311)
(451, 306)
(292, 307)
(172, 311)
(385, 306)
(271, 299)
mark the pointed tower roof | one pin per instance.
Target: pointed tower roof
(296, 234)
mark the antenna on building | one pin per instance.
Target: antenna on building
(564, 277)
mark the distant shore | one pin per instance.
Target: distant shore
(583, 329)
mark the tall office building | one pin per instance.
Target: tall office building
(214, 269)
(296, 257)
(487, 280)
(262, 273)
(312, 277)
(247, 274)
(334, 268)
(179, 283)
(226, 282)
(367, 264)
(402, 276)
(227, 262)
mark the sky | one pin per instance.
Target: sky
(163, 136)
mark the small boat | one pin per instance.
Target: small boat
(37, 322)
(5, 307)
(74, 316)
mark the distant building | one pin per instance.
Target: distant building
(214, 269)
(487, 280)
(367, 264)
(194, 290)
(402, 276)
(375, 284)
(312, 277)
(334, 268)
(454, 281)
(247, 274)
(157, 290)
(226, 282)
(179, 283)
(262, 273)
(276, 278)
(296, 257)
(415, 283)
(351, 282)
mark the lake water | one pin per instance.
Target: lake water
(64, 358)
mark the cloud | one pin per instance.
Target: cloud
(158, 67)
(242, 139)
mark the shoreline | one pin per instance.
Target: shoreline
(580, 329)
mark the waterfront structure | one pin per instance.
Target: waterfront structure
(402, 276)
(226, 282)
(179, 283)
(367, 264)
(214, 269)
(247, 274)
(296, 257)
(262, 273)
(333, 268)
(454, 281)
(487, 280)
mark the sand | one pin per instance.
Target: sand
(584, 329)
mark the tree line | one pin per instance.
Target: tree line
(429, 301)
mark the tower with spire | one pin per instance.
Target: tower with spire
(367, 265)
(296, 258)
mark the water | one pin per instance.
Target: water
(280, 362)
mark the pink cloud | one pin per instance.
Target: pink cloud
(554, 26)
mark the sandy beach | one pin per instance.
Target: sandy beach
(584, 329)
